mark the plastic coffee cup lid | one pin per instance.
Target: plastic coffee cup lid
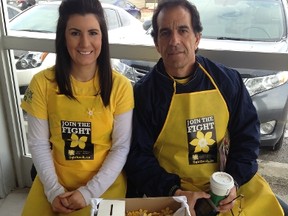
(222, 179)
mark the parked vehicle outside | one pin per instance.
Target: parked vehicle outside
(40, 20)
(246, 25)
(126, 5)
(242, 25)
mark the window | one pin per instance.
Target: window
(38, 45)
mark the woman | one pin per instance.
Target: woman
(83, 109)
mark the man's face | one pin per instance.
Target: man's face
(176, 41)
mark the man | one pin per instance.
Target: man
(184, 109)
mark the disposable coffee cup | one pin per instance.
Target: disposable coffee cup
(220, 185)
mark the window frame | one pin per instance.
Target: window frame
(11, 101)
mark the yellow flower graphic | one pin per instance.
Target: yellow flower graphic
(71, 152)
(90, 112)
(195, 157)
(202, 142)
(75, 141)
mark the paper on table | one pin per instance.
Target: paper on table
(95, 205)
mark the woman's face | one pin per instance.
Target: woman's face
(83, 39)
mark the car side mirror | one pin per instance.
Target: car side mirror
(147, 24)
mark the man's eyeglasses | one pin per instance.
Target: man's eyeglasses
(239, 204)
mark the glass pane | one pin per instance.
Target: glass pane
(112, 19)
(42, 18)
(123, 27)
(246, 20)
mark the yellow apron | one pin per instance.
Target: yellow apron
(188, 146)
(81, 138)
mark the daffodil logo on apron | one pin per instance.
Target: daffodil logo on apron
(77, 138)
(202, 143)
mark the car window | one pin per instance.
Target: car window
(245, 20)
(108, 1)
(124, 19)
(112, 19)
(121, 4)
(12, 12)
(44, 20)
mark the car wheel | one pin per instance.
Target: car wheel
(279, 144)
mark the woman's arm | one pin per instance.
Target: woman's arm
(39, 145)
(115, 160)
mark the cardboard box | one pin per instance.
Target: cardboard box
(152, 204)
(108, 207)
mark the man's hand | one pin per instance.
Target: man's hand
(228, 203)
(192, 198)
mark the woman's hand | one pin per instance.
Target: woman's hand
(192, 197)
(228, 203)
(58, 207)
(73, 200)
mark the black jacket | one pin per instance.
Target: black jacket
(153, 95)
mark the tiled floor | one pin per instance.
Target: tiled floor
(12, 205)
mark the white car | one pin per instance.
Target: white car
(41, 19)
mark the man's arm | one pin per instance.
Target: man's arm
(244, 133)
(142, 168)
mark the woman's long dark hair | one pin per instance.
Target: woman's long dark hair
(63, 60)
